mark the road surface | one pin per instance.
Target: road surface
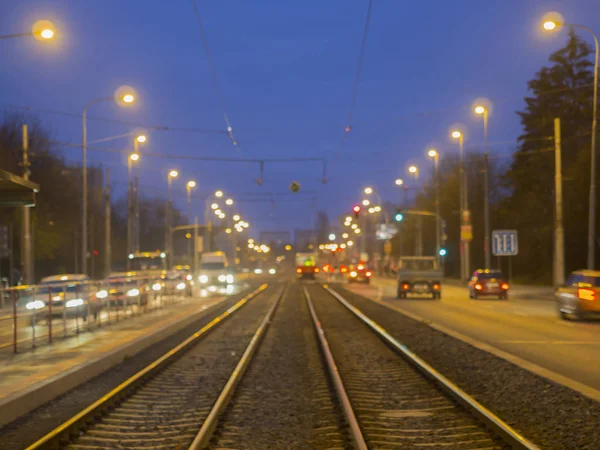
(525, 327)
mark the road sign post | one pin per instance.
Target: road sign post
(505, 242)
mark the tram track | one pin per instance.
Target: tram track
(391, 398)
(163, 405)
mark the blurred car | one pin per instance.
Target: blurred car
(486, 282)
(66, 294)
(358, 273)
(578, 297)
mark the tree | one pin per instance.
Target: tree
(561, 90)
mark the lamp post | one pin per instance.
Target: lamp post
(188, 187)
(168, 219)
(126, 98)
(133, 158)
(464, 207)
(42, 30)
(555, 24)
(139, 139)
(483, 111)
(435, 156)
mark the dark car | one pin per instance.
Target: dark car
(488, 282)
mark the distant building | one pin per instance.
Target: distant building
(303, 239)
(277, 240)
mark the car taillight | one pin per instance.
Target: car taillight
(368, 274)
(436, 287)
(298, 270)
(405, 286)
(586, 294)
(505, 286)
(478, 287)
(343, 270)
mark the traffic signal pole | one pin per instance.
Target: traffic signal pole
(27, 249)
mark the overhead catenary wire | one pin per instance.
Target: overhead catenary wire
(213, 72)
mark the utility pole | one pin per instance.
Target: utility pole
(27, 248)
(195, 256)
(107, 245)
(129, 214)
(419, 243)
(559, 232)
(136, 211)
(486, 194)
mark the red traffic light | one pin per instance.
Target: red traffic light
(356, 208)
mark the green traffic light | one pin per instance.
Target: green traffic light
(399, 217)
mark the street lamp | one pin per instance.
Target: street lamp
(553, 21)
(219, 194)
(42, 30)
(229, 202)
(168, 237)
(123, 94)
(435, 156)
(236, 217)
(368, 190)
(366, 202)
(483, 111)
(414, 170)
(134, 213)
(464, 206)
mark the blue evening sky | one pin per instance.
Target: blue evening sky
(286, 71)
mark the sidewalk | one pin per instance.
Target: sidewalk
(31, 379)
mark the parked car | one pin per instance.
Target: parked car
(488, 282)
(578, 297)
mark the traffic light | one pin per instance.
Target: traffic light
(356, 210)
(442, 252)
(399, 217)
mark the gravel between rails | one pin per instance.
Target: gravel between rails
(552, 416)
(284, 400)
(170, 408)
(31, 427)
(395, 405)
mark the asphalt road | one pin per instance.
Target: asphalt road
(525, 326)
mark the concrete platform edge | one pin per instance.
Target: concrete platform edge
(557, 378)
(25, 401)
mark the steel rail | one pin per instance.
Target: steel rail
(355, 430)
(208, 427)
(505, 431)
(55, 438)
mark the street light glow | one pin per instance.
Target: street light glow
(214, 206)
(377, 208)
(371, 210)
(332, 237)
(479, 109)
(47, 33)
(219, 194)
(456, 134)
(173, 174)
(128, 98)
(134, 156)
(236, 217)
(228, 231)
(141, 138)
(357, 231)
(191, 184)
(549, 25)
(218, 212)
(354, 226)
(229, 202)
(368, 190)
(413, 169)
(432, 153)
(366, 202)
(399, 182)
(345, 235)
(348, 219)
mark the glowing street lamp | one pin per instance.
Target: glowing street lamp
(481, 110)
(229, 202)
(134, 157)
(368, 190)
(219, 194)
(42, 30)
(236, 217)
(366, 202)
(463, 202)
(399, 182)
(214, 206)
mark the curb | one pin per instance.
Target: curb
(22, 402)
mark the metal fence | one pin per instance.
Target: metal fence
(31, 316)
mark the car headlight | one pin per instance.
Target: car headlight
(353, 274)
(181, 286)
(203, 279)
(258, 271)
(57, 298)
(272, 271)
(229, 279)
(188, 277)
(73, 303)
(101, 294)
(36, 304)
(156, 287)
(133, 292)
(222, 278)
